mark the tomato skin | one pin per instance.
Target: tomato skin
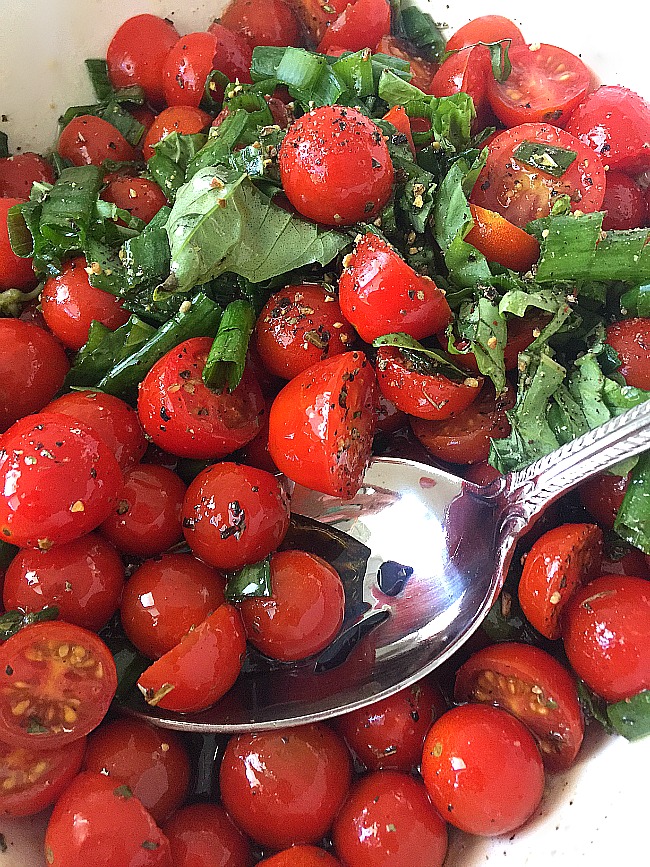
(136, 53)
(605, 631)
(20, 171)
(183, 119)
(273, 24)
(545, 698)
(52, 772)
(96, 821)
(233, 55)
(360, 24)
(631, 340)
(307, 776)
(45, 504)
(304, 612)
(380, 294)
(201, 668)
(501, 241)
(167, 597)
(139, 196)
(322, 422)
(15, 272)
(83, 579)
(485, 28)
(468, 70)
(481, 474)
(33, 366)
(301, 856)
(79, 702)
(316, 159)
(602, 496)
(401, 121)
(203, 835)
(624, 203)
(633, 562)
(89, 140)
(482, 769)
(315, 16)
(151, 761)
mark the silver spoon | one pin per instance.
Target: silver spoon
(448, 541)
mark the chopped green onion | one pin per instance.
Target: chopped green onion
(226, 360)
(547, 158)
(421, 30)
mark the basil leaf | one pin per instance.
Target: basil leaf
(431, 360)
(485, 328)
(551, 159)
(226, 360)
(636, 302)
(633, 520)
(14, 620)
(422, 32)
(104, 348)
(250, 582)
(631, 717)
(145, 258)
(172, 155)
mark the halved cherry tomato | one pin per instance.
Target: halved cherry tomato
(139, 196)
(602, 496)
(631, 340)
(301, 856)
(183, 119)
(15, 272)
(137, 51)
(501, 241)
(624, 203)
(467, 71)
(57, 681)
(273, 23)
(317, 16)
(233, 55)
(398, 117)
(90, 140)
(322, 422)
(204, 835)
(362, 23)
(486, 28)
(533, 686)
(422, 71)
(19, 172)
(201, 668)
(380, 294)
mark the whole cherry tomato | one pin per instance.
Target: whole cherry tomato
(90, 140)
(624, 203)
(183, 119)
(19, 172)
(315, 16)
(631, 340)
(602, 496)
(486, 28)
(141, 197)
(204, 835)
(15, 272)
(274, 23)
(301, 856)
(137, 51)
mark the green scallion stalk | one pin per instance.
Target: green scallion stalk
(633, 520)
(251, 581)
(226, 361)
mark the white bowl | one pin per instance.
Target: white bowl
(592, 817)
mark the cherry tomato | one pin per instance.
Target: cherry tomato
(70, 304)
(304, 612)
(90, 140)
(362, 23)
(521, 193)
(533, 686)
(465, 437)
(256, 452)
(137, 52)
(167, 597)
(32, 779)
(486, 28)
(147, 518)
(602, 496)
(481, 474)
(422, 71)
(632, 562)
(57, 681)
(203, 835)
(624, 203)
(33, 366)
(97, 821)
(143, 114)
(615, 122)
(483, 770)
(151, 761)
(183, 119)
(389, 418)
(335, 166)
(275, 23)
(299, 326)
(398, 117)
(233, 55)
(15, 272)
(305, 778)
(467, 71)
(201, 668)
(558, 563)
(43, 503)
(605, 630)
(301, 856)
(501, 241)
(234, 515)
(390, 733)
(139, 196)
(19, 172)
(379, 293)
(316, 16)
(186, 418)
(83, 579)
(321, 425)
(631, 340)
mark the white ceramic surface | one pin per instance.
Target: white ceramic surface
(594, 817)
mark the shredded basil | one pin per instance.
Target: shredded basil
(251, 581)
(631, 717)
(548, 158)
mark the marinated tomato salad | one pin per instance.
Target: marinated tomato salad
(270, 249)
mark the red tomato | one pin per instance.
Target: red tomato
(602, 496)
(273, 23)
(379, 293)
(389, 821)
(19, 172)
(322, 422)
(398, 117)
(137, 52)
(466, 71)
(545, 84)
(501, 241)
(335, 166)
(147, 518)
(425, 395)
(183, 119)
(15, 272)
(97, 821)
(57, 681)
(305, 778)
(486, 28)
(624, 203)
(203, 835)
(533, 686)
(522, 193)
(70, 304)
(32, 779)
(167, 597)
(90, 140)
(144, 115)
(465, 437)
(185, 417)
(301, 856)
(33, 366)
(115, 422)
(234, 515)
(422, 71)
(632, 562)
(481, 474)
(304, 612)
(362, 23)
(83, 579)
(316, 16)
(482, 769)
(605, 630)
(256, 452)
(139, 196)
(201, 668)
(233, 56)
(299, 326)
(389, 734)
(631, 340)
(151, 761)
(389, 418)
(558, 563)
(43, 503)
(615, 122)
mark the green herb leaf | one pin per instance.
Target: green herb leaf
(224, 366)
(631, 717)
(14, 620)
(633, 520)
(481, 323)
(421, 31)
(636, 302)
(123, 792)
(251, 581)
(548, 158)
(104, 348)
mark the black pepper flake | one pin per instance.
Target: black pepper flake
(9, 671)
(164, 415)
